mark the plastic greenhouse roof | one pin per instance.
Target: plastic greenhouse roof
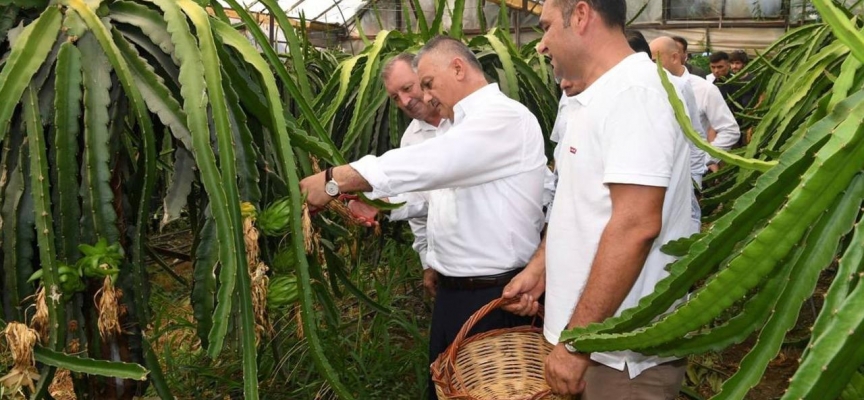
(332, 12)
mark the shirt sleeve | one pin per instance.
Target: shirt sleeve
(482, 148)
(638, 140)
(416, 206)
(720, 118)
(550, 183)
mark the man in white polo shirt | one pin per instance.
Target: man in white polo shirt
(624, 190)
(485, 176)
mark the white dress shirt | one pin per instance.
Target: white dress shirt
(417, 132)
(710, 78)
(698, 158)
(624, 132)
(714, 113)
(485, 176)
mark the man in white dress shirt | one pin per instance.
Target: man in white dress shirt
(713, 111)
(485, 176)
(624, 190)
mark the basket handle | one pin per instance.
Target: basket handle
(477, 316)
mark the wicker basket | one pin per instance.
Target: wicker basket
(502, 364)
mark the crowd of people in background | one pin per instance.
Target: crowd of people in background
(723, 66)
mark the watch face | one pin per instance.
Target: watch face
(332, 188)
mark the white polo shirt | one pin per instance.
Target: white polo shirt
(485, 176)
(624, 132)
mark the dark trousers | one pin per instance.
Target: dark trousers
(454, 307)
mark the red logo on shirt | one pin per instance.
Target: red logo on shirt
(572, 150)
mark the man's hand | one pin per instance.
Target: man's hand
(526, 287)
(565, 370)
(430, 281)
(313, 187)
(363, 213)
(713, 167)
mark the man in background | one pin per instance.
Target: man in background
(738, 59)
(403, 87)
(682, 48)
(713, 112)
(720, 68)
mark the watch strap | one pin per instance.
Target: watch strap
(572, 350)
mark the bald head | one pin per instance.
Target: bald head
(665, 50)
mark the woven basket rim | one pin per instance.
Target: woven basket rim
(444, 371)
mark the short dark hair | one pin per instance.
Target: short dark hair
(718, 56)
(452, 45)
(637, 41)
(739, 55)
(614, 12)
(681, 41)
(406, 57)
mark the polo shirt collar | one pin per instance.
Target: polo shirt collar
(590, 92)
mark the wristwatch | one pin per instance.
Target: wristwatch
(570, 349)
(330, 185)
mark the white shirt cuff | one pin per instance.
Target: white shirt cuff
(369, 169)
(423, 259)
(401, 213)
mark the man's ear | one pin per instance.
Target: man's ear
(581, 14)
(458, 65)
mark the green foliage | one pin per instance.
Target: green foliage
(91, 95)
(114, 82)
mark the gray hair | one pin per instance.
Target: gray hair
(449, 45)
(407, 58)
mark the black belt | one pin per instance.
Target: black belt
(476, 282)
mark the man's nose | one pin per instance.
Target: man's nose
(541, 47)
(404, 99)
(427, 98)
